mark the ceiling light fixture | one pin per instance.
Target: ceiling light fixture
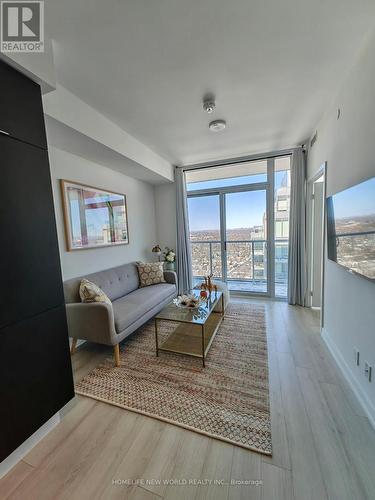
(217, 125)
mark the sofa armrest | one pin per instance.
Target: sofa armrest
(170, 277)
(92, 321)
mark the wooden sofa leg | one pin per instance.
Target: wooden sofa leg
(73, 347)
(116, 349)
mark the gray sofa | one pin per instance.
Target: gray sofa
(131, 306)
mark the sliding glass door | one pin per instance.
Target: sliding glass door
(239, 225)
(205, 235)
(228, 238)
(246, 240)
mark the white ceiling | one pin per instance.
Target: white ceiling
(145, 64)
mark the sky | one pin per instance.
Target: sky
(244, 209)
(356, 201)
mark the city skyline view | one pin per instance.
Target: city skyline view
(351, 228)
(355, 244)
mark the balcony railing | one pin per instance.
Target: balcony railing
(246, 259)
(358, 233)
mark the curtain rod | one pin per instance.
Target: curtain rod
(241, 159)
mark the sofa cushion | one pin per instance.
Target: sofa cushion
(128, 309)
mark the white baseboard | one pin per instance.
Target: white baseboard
(363, 400)
(25, 447)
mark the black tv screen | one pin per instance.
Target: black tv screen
(351, 228)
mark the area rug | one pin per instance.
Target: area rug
(227, 400)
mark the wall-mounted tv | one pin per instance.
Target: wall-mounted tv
(351, 228)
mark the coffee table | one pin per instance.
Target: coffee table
(195, 328)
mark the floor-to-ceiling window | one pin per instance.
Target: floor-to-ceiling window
(239, 224)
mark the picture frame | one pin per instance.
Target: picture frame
(93, 217)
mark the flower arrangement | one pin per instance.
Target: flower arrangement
(169, 255)
(187, 301)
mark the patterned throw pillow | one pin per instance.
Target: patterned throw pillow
(150, 274)
(89, 292)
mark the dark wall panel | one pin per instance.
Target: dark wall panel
(35, 375)
(30, 263)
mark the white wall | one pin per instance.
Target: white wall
(141, 214)
(347, 144)
(68, 109)
(165, 203)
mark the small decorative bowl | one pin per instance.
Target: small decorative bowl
(187, 301)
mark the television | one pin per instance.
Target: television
(351, 229)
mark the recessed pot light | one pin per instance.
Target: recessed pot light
(209, 103)
(217, 125)
(209, 106)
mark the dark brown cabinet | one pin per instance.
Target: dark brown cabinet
(35, 368)
(21, 109)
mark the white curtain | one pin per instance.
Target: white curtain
(297, 281)
(183, 261)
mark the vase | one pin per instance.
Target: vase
(169, 266)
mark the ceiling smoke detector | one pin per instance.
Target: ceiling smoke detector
(209, 104)
(217, 125)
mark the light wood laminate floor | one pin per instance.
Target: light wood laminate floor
(323, 444)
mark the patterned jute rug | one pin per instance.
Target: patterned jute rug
(227, 400)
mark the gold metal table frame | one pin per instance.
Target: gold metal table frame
(191, 337)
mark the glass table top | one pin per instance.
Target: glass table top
(197, 315)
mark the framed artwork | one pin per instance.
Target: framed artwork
(93, 217)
